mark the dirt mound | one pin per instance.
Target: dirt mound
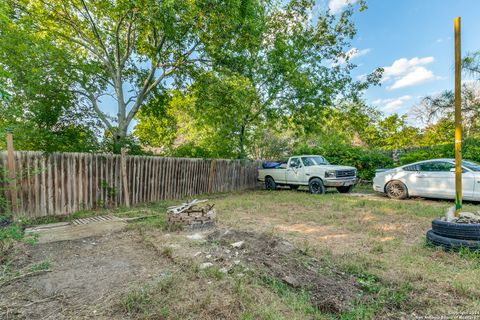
(330, 291)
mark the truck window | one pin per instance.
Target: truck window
(314, 161)
(295, 163)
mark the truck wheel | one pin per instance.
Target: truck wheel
(316, 186)
(294, 187)
(396, 190)
(345, 189)
(270, 183)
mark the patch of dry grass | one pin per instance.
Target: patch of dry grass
(370, 235)
(380, 241)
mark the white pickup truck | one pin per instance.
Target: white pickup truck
(309, 170)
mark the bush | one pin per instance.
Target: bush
(365, 160)
(470, 151)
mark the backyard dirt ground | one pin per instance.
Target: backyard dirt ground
(273, 255)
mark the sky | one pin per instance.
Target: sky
(413, 41)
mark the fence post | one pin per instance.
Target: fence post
(11, 172)
(211, 176)
(123, 161)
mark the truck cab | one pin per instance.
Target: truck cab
(313, 171)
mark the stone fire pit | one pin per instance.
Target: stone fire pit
(196, 214)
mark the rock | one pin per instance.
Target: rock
(208, 256)
(450, 215)
(224, 270)
(205, 265)
(291, 281)
(236, 261)
(195, 236)
(470, 215)
(197, 253)
(238, 244)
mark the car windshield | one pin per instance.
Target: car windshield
(471, 165)
(314, 161)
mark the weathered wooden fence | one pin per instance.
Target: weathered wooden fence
(62, 183)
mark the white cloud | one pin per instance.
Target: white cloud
(351, 54)
(391, 105)
(417, 76)
(440, 40)
(355, 53)
(337, 6)
(405, 73)
(362, 77)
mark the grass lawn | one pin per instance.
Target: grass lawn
(380, 241)
(372, 237)
(377, 241)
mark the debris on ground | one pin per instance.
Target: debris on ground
(195, 236)
(205, 265)
(192, 215)
(467, 218)
(464, 217)
(335, 292)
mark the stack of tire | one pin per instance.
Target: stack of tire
(454, 236)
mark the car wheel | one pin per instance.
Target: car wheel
(345, 189)
(316, 186)
(270, 183)
(294, 187)
(396, 190)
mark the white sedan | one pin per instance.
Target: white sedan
(429, 179)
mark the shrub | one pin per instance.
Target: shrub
(470, 151)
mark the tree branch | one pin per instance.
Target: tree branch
(102, 116)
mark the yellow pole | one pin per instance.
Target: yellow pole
(458, 121)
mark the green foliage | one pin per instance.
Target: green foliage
(41, 109)
(470, 151)
(392, 132)
(336, 152)
(42, 266)
(157, 121)
(10, 232)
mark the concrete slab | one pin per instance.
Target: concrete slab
(74, 232)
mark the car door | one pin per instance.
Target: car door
(434, 179)
(469, 180)
(437, 179)
(295, 171)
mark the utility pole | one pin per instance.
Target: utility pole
(458, 120)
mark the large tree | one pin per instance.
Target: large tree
(289, 65)
(131, 49)
(440, 107)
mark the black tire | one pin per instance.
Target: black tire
(294, 187)
(396, 190)
(316, 186)
(345, 189)
(450, 243)
(456, 230)
(270, 184)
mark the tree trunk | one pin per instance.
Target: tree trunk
(242, 153)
